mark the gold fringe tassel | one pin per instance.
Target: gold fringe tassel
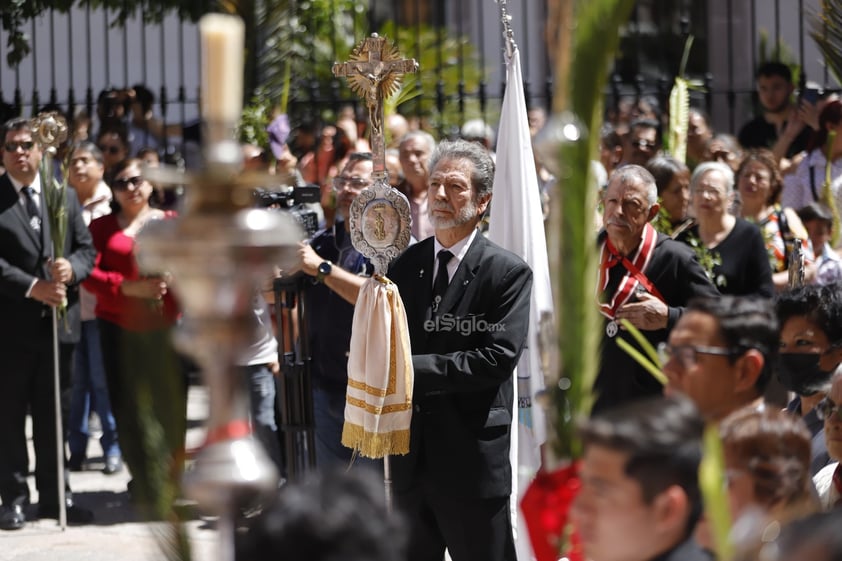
(375, 445)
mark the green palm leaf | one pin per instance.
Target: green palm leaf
(712, 485)
(583, 54)
(827, 193)
(826, 31)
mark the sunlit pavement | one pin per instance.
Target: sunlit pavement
(116, 534)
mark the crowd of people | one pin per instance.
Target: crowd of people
(696, 255)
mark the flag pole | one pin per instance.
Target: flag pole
(508, 33)
(520, 229)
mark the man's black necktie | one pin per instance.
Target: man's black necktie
(442, 279)
(32, 208)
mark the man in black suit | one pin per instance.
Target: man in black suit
(466, 336)
(644, 277)
(31, 283)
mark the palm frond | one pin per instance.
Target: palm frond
(642, 360)
(679, 103)
(647, 347)
(581, 73)
(827, 193)
(826, 31)
(712, 485)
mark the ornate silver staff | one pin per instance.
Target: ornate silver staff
(218, 251)
(50, 130)
(380, 218)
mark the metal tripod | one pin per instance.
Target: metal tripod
(295, 393)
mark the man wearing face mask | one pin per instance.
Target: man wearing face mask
(810, 352)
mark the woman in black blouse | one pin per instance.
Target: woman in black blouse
(730, 249)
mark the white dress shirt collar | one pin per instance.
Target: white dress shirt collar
(459, 250)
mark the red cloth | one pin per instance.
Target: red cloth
(546, 508)
(115, 262)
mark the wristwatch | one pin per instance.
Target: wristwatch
(325, 267)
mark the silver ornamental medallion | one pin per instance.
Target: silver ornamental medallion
(611, 329)
(380, 224)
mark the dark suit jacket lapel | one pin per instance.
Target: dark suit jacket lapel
(464, 275)
(423, 293)
(9, 193)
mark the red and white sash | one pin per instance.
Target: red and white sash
(610, 257)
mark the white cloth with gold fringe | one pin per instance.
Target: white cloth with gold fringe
(378, 406)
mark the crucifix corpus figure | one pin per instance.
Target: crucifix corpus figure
(373, 73)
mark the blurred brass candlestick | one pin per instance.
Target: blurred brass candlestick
(218, 252)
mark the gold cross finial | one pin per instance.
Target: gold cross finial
(374, 72)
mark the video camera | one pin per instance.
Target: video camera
(293, 200)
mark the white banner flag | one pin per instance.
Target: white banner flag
(517, 224)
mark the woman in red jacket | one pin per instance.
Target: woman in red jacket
(135, 315)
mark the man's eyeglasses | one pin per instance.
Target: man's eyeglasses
(13, 146)
(341, 181)
(826, 409)
(112, 149)
(687, 355)
(123, 183)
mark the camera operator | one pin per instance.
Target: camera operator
(337, 270)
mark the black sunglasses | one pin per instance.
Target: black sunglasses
(13, 146)
(123, 183)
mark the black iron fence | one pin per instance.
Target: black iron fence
(78, 54)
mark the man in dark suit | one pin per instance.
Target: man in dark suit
(31, 283)
(644, 277)
(466, 336)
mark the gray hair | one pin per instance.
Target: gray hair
(90, 147)
(707, 167)
(482, 178)
(423, 135)
(632, 173)
(477, 130)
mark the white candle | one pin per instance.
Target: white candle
(223, 50)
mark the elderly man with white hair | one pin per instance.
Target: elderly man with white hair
(645, 277)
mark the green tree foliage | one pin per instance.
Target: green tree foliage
(448, 66)
(14, 14)
(301, 45)
(291, 46)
